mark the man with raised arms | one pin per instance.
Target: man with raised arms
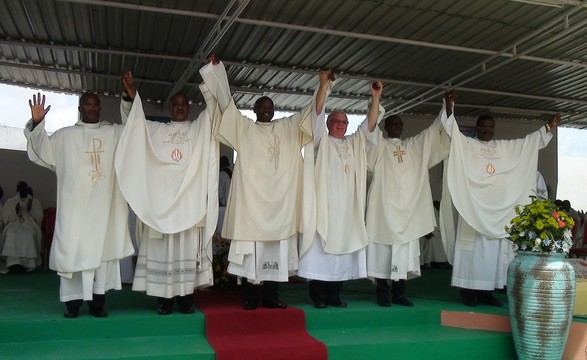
(487, 178)
(264, 207)
(399, 208)
(337, 252)
(91, 231)
(168, 172)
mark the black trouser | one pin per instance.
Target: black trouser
(73, 305)
(165, 302)
(398, 288)
(270, 291)
(322, 291)
(185, 301)
(97, 302)
(479, 294)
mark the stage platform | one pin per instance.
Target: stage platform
(33, 327)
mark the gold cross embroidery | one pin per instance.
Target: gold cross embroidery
(96, 173)
(344, 153)
(399, 153)
(273, 151)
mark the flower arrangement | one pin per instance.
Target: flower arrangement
(541, 227)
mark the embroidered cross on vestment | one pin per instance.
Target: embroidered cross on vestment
(399, 153)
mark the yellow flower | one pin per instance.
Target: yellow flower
(539, 224)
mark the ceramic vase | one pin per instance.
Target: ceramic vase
(541, 297)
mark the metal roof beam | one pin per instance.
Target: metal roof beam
(273, 68)
(261, 91)
(208, 45)
(340, 33)
(429, 94)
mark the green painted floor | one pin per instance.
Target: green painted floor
(32, 325)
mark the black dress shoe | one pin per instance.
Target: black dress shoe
(320, 304)
(250, 305)
(383, 302)
(401, 300)
(187, 309)
(469, 300)
(164, 310)
(469, 297)
(274, 304)
(336, 303)
(99, 312)
(70, 314)
(487, 298)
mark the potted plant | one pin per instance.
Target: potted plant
(541, 283)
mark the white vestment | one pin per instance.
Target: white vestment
(486, 180)
(432, 249)
(91, 220)
(337, 252)
(400, 209)
(168, 173)
(223, 190)
(21, 240)
(541, 188)
(263, 213)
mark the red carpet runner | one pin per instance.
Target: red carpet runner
(258, 334)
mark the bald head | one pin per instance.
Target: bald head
(89, 108)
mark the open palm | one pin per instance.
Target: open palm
(38, 110)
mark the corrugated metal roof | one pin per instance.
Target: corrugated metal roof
(511, 59)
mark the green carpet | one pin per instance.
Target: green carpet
(32, 325)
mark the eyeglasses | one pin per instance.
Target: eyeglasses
(339, 122)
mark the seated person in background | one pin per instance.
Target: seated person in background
(21, 239)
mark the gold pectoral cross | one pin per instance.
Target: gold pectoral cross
(96, 173)
(399, 153)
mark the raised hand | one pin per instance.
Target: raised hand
(129, 85)
(326, 76)
(376, 89)
(38, 110)
(213, 59)
(556, 119)
(450, 97)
